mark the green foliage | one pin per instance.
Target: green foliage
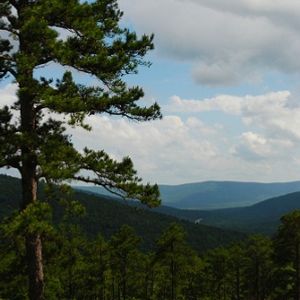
(116, 268)
(259, 266)
(287, 252)
(34, 219)
(124, 262)
(91, 267)
(13, 282)
(175, 260)
(96, 45)
(36, 143)
(103, 215)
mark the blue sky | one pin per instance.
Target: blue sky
(226, 74)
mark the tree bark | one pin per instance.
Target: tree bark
(35, 266)
(29, 186)
(33, 241)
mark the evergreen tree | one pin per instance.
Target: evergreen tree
(287, 247)
(93, 43)
(72, 260)
(217, 273)
(12, 272)
(124, 256)
(259, 267)
(196, 280)
(174, 258)
(237, 262)
(98, 280)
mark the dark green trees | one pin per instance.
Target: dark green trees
(174, 260)
(288, 248)
(259, 267)
(93, 43)
(124, 260)
(117, 269)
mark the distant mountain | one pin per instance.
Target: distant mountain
(106, 217)
(263, 217)
(106, 214)
(213, 194)
(216, 194)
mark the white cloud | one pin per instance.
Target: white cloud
(226, 41)
(273, 120)
(179, 149)
(253, 146)
(285, 13)
(161, 150)
(8, 95)
(188, 148)
(247, 105)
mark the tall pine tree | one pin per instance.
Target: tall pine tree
(287, 246)
(80, 36)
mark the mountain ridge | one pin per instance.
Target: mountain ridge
(106, 216)
(262, 217)
(216, 194)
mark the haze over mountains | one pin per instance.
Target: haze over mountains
(106, 214)
(262, 217)
(249, 207)
(216, 194)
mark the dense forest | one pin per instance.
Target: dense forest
(77, 267)
(106, 215)
(84, 263)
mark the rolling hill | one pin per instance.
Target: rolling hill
(106, 216)
(216, 194)
(262, 217)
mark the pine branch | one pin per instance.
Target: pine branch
(107, 186)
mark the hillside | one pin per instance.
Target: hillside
(262, 217)
(106, 216)
(215, 194)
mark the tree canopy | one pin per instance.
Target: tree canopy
(82, 37)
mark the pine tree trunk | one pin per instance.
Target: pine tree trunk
(29, 186)
(35, 267)
(33, 242)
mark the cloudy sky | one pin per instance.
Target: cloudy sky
(227, 76)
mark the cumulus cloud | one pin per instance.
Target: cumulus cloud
(185, 147)
(8, 95)
(225, 41)
(272, 111)
(177, 150)
(162, 150)
(273, 120)
(253, 146)
(249, 105)
(285, 13)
